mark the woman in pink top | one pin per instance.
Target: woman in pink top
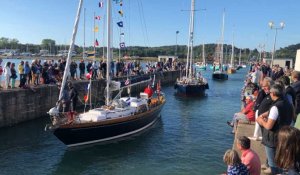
(248, 156)
(247, 114)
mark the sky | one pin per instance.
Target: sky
(154, 22)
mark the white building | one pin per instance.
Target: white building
(282, 62)
(162, 58)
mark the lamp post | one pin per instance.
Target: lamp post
(272, 26)
(176, 43)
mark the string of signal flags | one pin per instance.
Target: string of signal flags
(120, 23)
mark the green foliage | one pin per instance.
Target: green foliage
(210, 49)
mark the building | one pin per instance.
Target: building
(282, 62)
(162, 58)
(297, 62)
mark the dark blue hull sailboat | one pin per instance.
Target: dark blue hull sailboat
(191, 89)
(218, 75)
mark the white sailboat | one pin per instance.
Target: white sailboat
(201, 65)
(231, 68)
(221, 74)
(192, 84)
(120, 117)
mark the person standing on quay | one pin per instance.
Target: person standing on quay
(27, 72)
(13, 76)
(81, 69)
(288, 150)
(21, 73)
(7, 74)
(1, 71)
(296, 87)
(248, 157)
(279, 115)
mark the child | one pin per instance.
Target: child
(233, 161)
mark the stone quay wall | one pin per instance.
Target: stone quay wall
(20, 105)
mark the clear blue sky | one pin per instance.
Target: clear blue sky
(155, 22)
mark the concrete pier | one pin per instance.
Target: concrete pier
(19, 105)
(247, 130)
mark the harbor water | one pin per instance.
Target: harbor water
(190, 138)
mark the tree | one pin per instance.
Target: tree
(48, 43)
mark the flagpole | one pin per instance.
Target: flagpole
(120, 44)
(104, 22)
(94, 36)
(83, 50)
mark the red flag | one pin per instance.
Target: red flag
(86, 98)
(96, 43)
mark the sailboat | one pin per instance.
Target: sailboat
(240, 56)
(192, 84)
(232, 69)
(201, 65)
(221, 74)
(119, 117)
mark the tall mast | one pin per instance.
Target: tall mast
(222, 41)
(203, 54)
(83, 50)
(190, 43)
(232, 52)
(104, 22)
(108, 38)
(67, 68)
(240, 56)
(94, 36)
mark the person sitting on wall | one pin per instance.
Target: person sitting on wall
(247, 114)
(248, 156)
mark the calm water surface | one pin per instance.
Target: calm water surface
(190, 138)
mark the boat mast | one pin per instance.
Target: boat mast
(108, 38)
(240, 56)
(232, 52)
(83, 50)
(190, 43)
(203, 53)
(67, 68)
(222, 42)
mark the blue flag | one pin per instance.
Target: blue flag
(120, 24)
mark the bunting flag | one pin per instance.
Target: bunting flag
(100, 4)
(121, 13)
(96, 29)
(86, 96)
(97, 17)
(120, 24)
(96, 43)
(127, 82)
(122, 45)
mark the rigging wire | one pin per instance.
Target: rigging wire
(143, 23)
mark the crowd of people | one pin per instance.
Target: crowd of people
(37, 71)
(271, 97)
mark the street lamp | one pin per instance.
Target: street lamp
(272, 26)
(176, 43)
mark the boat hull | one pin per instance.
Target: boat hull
(200, 67)
(191, 90)
(231, 71)
(82, 134)
(220, 76)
